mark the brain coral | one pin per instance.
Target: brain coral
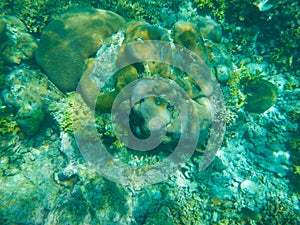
(70, 39)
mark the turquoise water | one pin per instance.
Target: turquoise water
(144, 112)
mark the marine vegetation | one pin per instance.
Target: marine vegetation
(214, 8)
(273, 23)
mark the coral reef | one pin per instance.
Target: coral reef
(253, 180)
(38, 13)
(145, 113)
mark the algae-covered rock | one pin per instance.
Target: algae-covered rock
(16, 45)
(261, 95)
(161, 216)
(70, 39)
(29, 119)
(28, 92)
(23, 87)
(222, 73)
(2, 33)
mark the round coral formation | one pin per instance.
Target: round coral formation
(261, 95)
(71, 39)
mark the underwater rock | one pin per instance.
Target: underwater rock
(263, 5)
(222, 73)
(187, 35)
(261, 95)
(23, 87)
(257, 68)
(28, 92)
(67, 177)
(70, 39)
(210, 29)
(249, 187)
(161, 216)
(29, 119)
(220, 61)
(3, 36)
(23, 176)
(16, 45)
(250, 214)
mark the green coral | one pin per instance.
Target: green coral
(240, 39)
(261, 95)
(215, 8)
(9, 132)
(277, 28)
(137, 9)
(250, 90)
(235, 98)
(278, 211)
(36, 14)
(8, 126)
(68, 113)
(241, 11)
(294, 147)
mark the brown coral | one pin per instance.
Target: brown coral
(70, 39)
